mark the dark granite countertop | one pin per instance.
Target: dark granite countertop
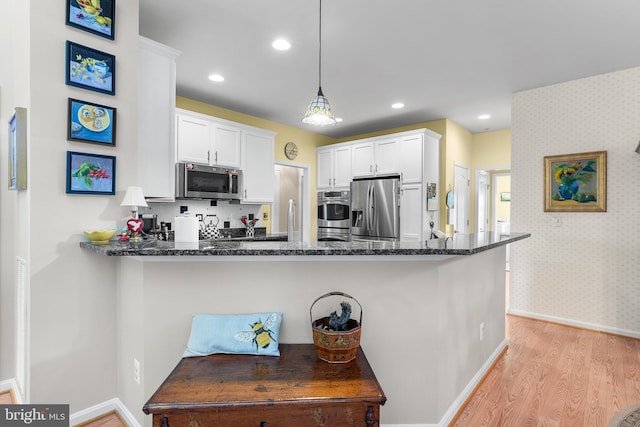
(461, 244)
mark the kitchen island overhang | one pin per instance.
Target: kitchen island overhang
(435, 249)
(420, 326)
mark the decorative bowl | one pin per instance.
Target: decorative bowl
(99, 236)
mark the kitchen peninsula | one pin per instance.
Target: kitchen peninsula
(433, 312)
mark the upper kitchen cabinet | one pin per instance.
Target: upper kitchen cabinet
(410, 157)
(207, 140)
(156, 111)
(258, 160)
(334, 167)
(377, 157)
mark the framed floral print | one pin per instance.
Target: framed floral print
(576, 182)
(90, 69)
(90, 173)
(94, 16)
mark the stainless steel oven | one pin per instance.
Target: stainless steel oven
(333, 216)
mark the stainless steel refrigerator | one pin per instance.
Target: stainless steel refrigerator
(375, 209)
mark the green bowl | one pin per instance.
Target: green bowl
(99, 236)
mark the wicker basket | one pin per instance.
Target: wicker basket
(336, 346)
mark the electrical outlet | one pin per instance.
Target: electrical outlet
(136, 370)
(557, 221)
(481, 331)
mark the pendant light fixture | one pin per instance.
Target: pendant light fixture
(319, 111)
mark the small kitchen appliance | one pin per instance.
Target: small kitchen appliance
(195, 181)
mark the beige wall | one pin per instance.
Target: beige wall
(491, 151)
(585, 269)
(503, 208)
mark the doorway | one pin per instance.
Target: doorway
(291, 183)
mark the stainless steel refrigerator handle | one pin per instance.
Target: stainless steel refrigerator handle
(371, 203)
(230, 177)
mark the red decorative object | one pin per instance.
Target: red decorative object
(135, 225)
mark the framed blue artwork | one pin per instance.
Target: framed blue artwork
(90, 173)
(89, 122)
(18, 150)
(90, 69)
(94, 16)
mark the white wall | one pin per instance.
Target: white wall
(73, 295)
(586, 271)
(14, 42)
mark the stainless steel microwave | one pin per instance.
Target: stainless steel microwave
(195, 181)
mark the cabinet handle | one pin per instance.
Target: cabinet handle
(208, 156)
(371, 168)
(216, 157)
(376, 168)
(334, 182)
(245, 193)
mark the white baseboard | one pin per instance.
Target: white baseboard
(464, 395)
(577, 323)
(104, 408)
(11, 385)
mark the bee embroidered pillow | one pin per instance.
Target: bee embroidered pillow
(234, 334)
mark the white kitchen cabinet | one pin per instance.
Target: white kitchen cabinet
(156, 124)
(362, 159)
(375, 158)
(194, 137)
(226, 145)
(410, 158)
(334, 167)
(414, 155)
(207, 140)
(258, 170)
(411, 213)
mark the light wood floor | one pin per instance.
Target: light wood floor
(109, 420)
(556, 376)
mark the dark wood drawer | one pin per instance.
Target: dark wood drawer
(294, 389)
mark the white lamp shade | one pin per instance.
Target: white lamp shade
(134, 197)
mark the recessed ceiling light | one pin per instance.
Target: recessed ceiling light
(484, 116)
(216, 78)
(338, 119)
(281, 44)
(397, 105)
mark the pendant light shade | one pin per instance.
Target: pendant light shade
(319, 111)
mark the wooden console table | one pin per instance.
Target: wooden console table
(294, 389)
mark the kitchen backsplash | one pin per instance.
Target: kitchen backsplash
(225, 211)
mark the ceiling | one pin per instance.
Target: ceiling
(453, 59)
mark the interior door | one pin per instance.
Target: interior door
(461, 203)
(482, 186)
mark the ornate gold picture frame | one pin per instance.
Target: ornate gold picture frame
(576, 182)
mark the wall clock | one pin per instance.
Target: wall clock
(291, 150)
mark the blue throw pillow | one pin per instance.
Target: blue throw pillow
(255, 333)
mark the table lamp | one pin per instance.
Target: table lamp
(134, 197)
